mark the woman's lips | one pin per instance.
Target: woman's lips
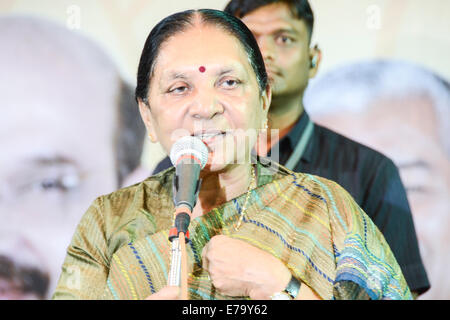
(210, 138)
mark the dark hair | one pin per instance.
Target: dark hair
(178, 22)
(300, 9)
(129, 134)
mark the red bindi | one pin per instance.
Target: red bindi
(202, 69)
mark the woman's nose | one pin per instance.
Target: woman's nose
(206, 105)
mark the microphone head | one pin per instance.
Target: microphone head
(189, 146)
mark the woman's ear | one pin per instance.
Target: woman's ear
(147, 117)
(267, 98)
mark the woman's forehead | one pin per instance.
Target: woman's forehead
(201, 48)
(187, 71)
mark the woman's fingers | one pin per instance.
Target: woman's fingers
(166, 293)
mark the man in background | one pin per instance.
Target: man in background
(403, 111)
(69, 132)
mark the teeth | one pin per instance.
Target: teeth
(208, 135)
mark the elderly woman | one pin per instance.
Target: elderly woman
(257, 231)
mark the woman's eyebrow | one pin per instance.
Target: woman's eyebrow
(175, 75)
(222, 72)
(237, 68)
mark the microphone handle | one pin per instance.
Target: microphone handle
(175, 264)
(184, 270)
(178, 267)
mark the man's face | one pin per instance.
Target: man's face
(56, 138)
(284, 43)
(406, 131)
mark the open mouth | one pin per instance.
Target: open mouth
(209, 135)
(212, 139)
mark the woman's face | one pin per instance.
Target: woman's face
(203, 85)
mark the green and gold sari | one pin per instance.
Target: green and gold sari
(121, 250)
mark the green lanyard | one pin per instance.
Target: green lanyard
(300, 147)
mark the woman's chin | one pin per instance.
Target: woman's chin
(216, 163)
(223, 162)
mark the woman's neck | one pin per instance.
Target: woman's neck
(283, 114)
(220, 187)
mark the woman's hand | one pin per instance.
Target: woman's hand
(166, 293)
(237, 268)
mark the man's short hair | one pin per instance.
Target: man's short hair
(300, 9)
(352, 88)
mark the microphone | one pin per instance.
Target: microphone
(189, 156)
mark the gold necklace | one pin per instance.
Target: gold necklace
(244, 208)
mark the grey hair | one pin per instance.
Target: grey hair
(354, 86)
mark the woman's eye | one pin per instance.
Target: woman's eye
(178, 89)
(230, 83)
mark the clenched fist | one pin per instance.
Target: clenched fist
(237, 268)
